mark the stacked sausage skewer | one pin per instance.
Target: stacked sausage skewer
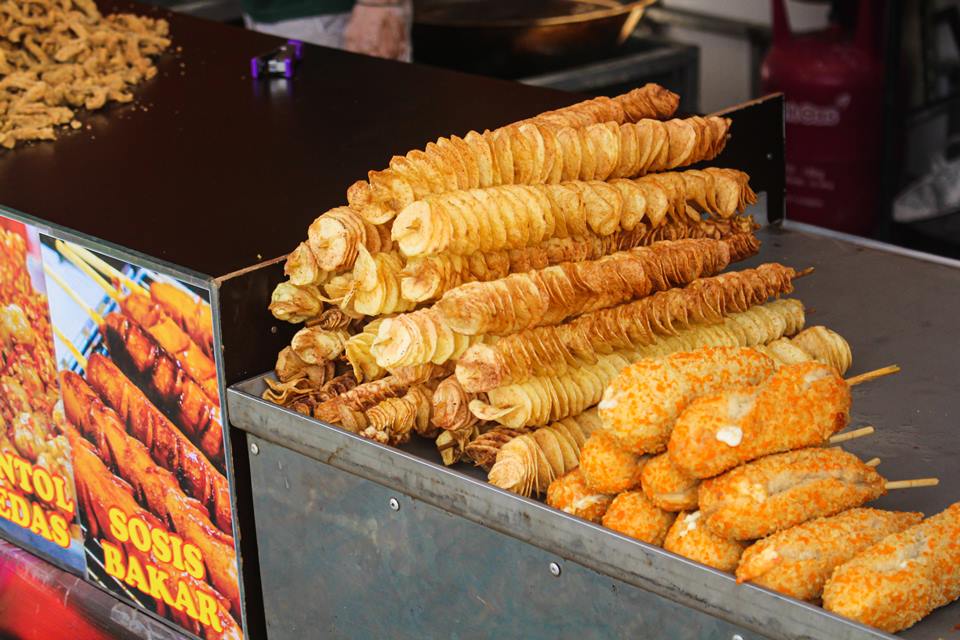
(151, 412)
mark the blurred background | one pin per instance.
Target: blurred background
(871, 85)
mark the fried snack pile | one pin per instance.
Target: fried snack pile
(58, 56)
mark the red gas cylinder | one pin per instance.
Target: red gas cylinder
(833, 83)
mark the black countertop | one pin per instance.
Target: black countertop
(213, 171)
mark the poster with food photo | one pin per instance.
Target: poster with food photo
(141, 404)
(37, 498)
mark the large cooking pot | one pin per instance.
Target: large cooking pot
(517, 38)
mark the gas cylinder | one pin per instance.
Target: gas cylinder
(832, 80)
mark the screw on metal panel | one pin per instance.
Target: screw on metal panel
(555, 571)
(394, 504)
(254, 449)
(736, 636)
(769, 157)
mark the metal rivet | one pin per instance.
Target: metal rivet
(736, 636)
(273, 329)
(769, 157)
(555, 571)
(394, 504)
(254, 449)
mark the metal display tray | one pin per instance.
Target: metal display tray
(892, 305)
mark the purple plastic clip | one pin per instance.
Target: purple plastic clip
(281, 61)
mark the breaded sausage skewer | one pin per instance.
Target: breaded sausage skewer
(799, 560)
(640, 405)
(800, 405)
(690, 539)
(786, 489)
(902, 578)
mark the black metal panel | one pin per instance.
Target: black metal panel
(756, 146)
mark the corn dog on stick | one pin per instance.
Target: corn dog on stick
(376, 284)
(392, 420)
(570, 494)
(607, 467)
(687, 537)
(535, 153)
(450, 406)
(649, 101)
(633, 515)
(786, 489)
(539, 401)
(899, 580)
(518, 216)
(551, 350)
(641, 404)
(801, 405)
(296, 303)
(798, 561)
(333, 240)
(528, 463)
(418, 337)
(364, 396)
(314, 345)
(358, 352)
(550, 295)
(429, 277)
(668, 487)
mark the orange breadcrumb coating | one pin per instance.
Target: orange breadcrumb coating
(902, 578)
(667, 486)
(786, 489)
(632, 514)
(799, 560)
(641, 404)
(607, 467)
(690, 539)
(801, 405)
(570, 494)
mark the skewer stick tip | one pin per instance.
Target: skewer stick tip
(873, 462)
(913, 484)
(873, 375)
(852, 435)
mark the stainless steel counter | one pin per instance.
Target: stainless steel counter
(458, 557)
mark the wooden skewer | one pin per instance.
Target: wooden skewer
(873, 375)
(102, 266)
(804, 272)
(72, 347)
(67, 251)
(851, 435)
(912, 484)
(73, 295)
(873, 462)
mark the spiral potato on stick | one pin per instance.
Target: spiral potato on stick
(538, 401)
(358, 352)
(553, 349)
(333, 240)
(296, 303)
(314, 345)
(548, 296)
(649, 101)
(483, 449)
(419, 337)
(392, 420)
(451, 410)
(364, 396)
(536, 153)
(520, 216)
(529, 463)
(376, 284)
(429, 277)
